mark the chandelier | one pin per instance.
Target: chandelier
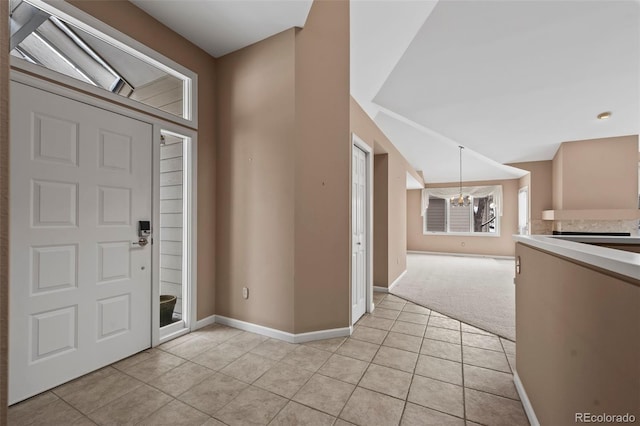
(460, 200)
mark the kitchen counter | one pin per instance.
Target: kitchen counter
(577, 326)
(581, 248)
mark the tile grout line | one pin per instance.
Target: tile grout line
(185, 361)
(266, 390)
(443, 381)
(413, 374)
(464, 389)
(365, 371)
(289, 400)
(159, 408)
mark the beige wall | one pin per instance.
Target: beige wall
(381, 220)
(135, 23)
(484, 245)
(557, 179)
(284, 176)
(539, 182)
(397, 217)
(322, 169)
(390, 226)
(580, 355)
(596, 174)
(4, 210)
(255, 178)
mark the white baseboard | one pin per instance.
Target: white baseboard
(283, 335)
(397, 280)
(393, 284)
(528, 408)
(323, 334)
(437, 253)
(204, 322)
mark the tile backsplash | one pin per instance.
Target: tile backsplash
(630, 226)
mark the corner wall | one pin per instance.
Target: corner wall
(539, 181)
(255, 182)
(134, 22)
(283, 162)
(596, 174)
(397, 217)
(381, 220)
(322, 169)
(390, 198)
(467, 244)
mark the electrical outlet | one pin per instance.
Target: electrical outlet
(245, 292)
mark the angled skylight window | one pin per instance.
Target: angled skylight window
(40, 38)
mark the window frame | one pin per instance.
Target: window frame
(88, 23)
(447, 221)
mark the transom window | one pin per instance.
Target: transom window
(481, 216)
(40, 38)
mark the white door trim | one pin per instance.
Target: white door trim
(359, 143)
(527, 227)
(158, 123)
(190, 251)
(53, 86)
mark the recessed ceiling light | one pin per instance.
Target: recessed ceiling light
(604, 115)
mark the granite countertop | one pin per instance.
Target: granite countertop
(618, 261)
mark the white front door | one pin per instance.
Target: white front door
(80, 291)
(359, 234)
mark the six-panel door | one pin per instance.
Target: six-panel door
(80, 290)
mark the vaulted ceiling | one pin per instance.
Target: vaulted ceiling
(508, 80)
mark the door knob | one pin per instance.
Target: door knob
(141, 242)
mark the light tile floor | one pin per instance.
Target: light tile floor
(404, 364)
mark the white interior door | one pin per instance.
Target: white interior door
(80, 290)
(359, 234)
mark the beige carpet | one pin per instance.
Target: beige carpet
(475, 290)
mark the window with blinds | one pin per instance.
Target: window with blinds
(479, 217)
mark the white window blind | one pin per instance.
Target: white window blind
(460, 218)
(436, 215)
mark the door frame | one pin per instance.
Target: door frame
(357, 142)
(189, 251)
(158, 124)
(528, 212)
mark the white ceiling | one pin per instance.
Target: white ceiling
(222, 26)
(509, 80)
